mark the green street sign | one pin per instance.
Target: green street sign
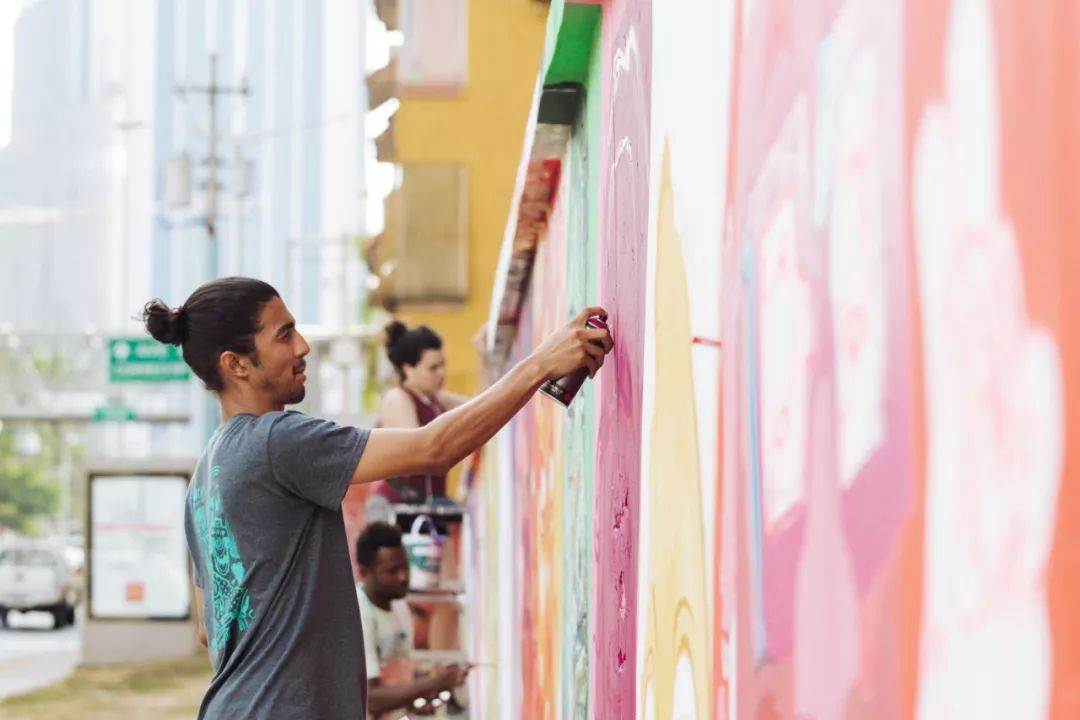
(114, 413)
(145, 360)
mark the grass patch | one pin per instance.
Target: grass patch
(168, 690)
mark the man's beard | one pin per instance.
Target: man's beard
(288, 397)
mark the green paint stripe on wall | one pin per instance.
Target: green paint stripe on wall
(582, 193)
(571, 34)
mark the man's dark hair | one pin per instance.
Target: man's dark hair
(221, 315)
(375, 536)
(406, 347)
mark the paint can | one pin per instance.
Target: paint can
(566, 388)
(425, 552)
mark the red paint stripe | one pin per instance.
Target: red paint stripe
(697, 340)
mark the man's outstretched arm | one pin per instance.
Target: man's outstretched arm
(439, 445)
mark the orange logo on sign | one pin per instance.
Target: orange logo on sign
(134, 592)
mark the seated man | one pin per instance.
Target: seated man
(387, 624)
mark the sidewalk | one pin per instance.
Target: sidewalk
(164, 691)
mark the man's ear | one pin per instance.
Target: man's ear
(233, 365)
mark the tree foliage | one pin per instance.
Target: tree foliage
(28, 481)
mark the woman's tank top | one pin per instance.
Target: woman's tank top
(415, 489)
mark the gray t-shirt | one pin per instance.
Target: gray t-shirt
(267, 540)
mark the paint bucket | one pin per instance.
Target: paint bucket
(566, 388)
(425, 551)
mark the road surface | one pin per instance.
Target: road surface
(33, 655)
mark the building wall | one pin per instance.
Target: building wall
(480, 128)
(301, 126)
(832, 460)
(74, 202)
(96, 116)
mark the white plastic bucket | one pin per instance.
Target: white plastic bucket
(425, 552)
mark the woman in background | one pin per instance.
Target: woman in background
(417, 399)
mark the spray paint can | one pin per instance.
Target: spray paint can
(566, 388)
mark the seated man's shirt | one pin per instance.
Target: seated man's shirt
(388, 642)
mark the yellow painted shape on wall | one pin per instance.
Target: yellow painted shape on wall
(676, 634)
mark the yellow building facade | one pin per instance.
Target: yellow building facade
(480, 127)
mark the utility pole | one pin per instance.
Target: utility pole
(212, 160)
(212, 90)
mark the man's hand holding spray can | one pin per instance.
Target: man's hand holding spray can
(564, 389)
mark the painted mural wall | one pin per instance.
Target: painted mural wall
(816, 614)
(832, 468)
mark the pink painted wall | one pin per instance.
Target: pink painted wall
(889, 524)
(624, 211)
(895, 399)
(820, 432)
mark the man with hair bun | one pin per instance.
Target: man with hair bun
(275, 595)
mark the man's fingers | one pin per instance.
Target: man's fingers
(601, 336)
(595, 352)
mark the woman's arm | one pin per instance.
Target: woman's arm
(451, 400)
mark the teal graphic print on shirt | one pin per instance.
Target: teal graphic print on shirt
(224, 568)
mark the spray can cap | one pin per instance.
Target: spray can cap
(597, 321)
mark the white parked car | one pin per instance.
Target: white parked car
(37, 578)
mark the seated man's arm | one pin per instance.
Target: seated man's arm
(391, 697)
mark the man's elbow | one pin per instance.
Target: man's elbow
(203, 640)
